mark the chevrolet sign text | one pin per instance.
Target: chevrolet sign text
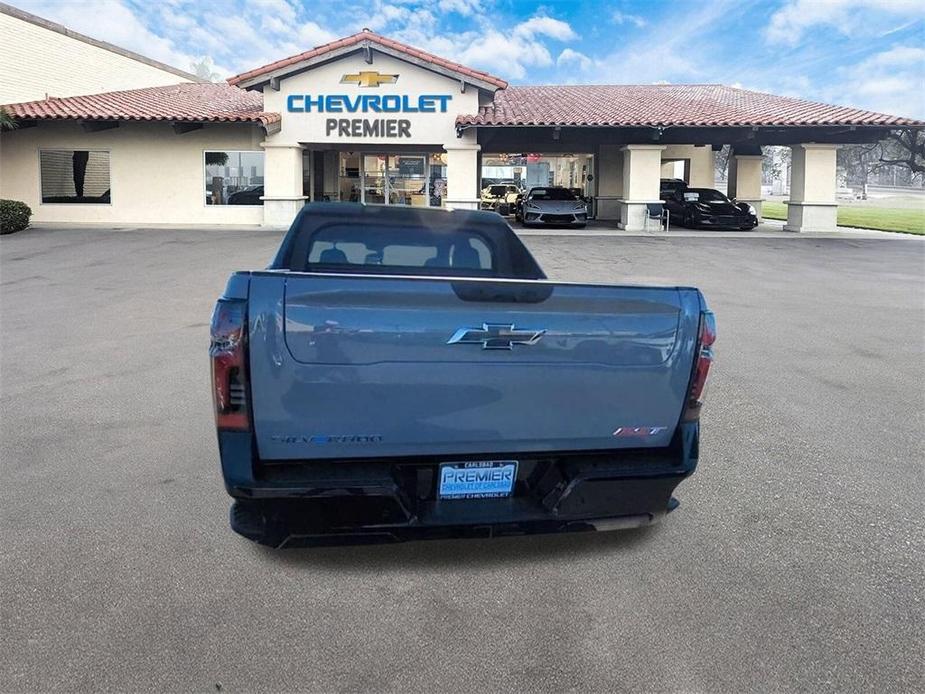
(368, 103)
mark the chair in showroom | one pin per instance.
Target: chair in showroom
(656, 212)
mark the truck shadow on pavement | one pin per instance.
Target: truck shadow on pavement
(468, 552)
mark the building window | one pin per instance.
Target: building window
(234, 178)
(75, 176)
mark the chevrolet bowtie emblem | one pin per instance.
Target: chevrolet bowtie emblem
(494, 336)
(369, 78)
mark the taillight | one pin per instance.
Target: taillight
(228, 352)
(702, 364)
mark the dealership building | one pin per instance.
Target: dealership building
(369, 119)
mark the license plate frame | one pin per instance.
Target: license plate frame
(476, 479)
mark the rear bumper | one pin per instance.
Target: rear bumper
(557, 220)
(309, 503)
(726, 223)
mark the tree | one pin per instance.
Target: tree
(775, 163)
(202, 68)
(7, 122)
(857, 162)
(905, 148)
(901, 149)
(216, 158)
(721, 162)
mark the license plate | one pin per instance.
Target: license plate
(477, 480)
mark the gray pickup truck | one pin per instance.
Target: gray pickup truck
(404, 373)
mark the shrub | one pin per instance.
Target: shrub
(14, 216)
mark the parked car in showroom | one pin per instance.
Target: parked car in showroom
(499, 197)
(248, 196)
(552, 206)
(708, 208)
(668, 186)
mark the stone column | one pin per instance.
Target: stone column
(462, 173)
(745, 179)
(703, 171)
(282, 183)
(642, 166)
(609, 182)
(812, 205)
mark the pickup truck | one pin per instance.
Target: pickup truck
(401, 373)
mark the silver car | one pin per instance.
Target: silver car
(555, 206)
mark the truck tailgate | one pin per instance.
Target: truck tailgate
(356, 366)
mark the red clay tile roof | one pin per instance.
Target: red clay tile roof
(372, 37)
(196, 103)
(704, 105)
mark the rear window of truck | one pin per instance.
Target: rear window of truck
(375, 239)
(346, 247)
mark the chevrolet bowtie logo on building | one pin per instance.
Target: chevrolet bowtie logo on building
(369, 78)
(493, 336)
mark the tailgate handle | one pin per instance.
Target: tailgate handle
(502, 293)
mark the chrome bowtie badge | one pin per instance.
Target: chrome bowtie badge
(369, 78)
(495, 336)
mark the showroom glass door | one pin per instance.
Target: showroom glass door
(393, 179)
(348, 178)
(375, 180)
(408, 182)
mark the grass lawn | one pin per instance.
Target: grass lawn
(907, 221)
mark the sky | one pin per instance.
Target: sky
(864, 53)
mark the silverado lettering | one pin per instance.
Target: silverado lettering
(353, 438)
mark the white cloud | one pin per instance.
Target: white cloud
(679, 54)
(280, 9)
(466, 8)
(238, 35)
(504, 53)
(545, 26)
(311, 34)
(892, 81)
(115, 22)
(508, 53)
(619, 17)
(511, 53)
(849, 17)
(569, 58)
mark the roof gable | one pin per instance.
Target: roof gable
(365, 40)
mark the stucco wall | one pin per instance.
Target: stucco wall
(701, 160)
(38, 61)
(156, 175)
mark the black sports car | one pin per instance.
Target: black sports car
(708, 208)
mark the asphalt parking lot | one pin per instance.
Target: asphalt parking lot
(794, 562)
